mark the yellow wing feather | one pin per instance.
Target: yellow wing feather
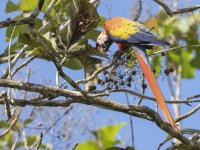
(122, 27)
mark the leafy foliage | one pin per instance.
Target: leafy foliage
(104, 138)
(178, 30)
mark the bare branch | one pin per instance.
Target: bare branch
(8, 22)
(178, 11)
(174, 48)
(77, 97)
(39, 142)
(3, 96)
(13, 62)
(22, 65)
(9, 129)
(138, 11)
(188, 113)
(58, 119)
(194, 96)
(152, 98)
(94, 75)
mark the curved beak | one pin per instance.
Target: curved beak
(103, 48)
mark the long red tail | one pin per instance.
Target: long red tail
(145, 66)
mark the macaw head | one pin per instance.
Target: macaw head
(103, 42)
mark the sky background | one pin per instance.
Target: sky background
(147, 134)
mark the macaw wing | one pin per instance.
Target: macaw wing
(119, 29)
(124, 30)
(142, 37)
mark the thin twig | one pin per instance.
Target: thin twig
(22, 65)
(46, 22)
(13, 62)
(94, 75)
(39, 141)
(152, 98)
(3, 96)
(178, 11)
(10, 128)
(143, 91)
(174, 48)
(57, 80)
(194, 96)
(138, 11)
(191, 112)
(58, 119)
(131, 121)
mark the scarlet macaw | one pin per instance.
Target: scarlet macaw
(125, 33)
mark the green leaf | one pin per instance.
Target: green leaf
(93, 34)
(27, 121)
(73, 64)
(10, 7)
(25, 38)
(15, 46)
(30, 5)
(156, 61)
(87, 145)
(101, 23)
(182, 25)
(18, 29)
(107, 135)
(31, 139)
(4, 124)
(195, 61)
(7, 141)
(187, 69)
(25, 5)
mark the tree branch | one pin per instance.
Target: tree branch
(27, 20)
(10, 128)
(191, 112)
(178, 11)
(76, 97)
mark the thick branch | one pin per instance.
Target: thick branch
(7, 23)
(77, 97)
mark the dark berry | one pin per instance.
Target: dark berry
(167, 72)
(171, 69)
(144, 85)
(99, 81)
(121, 76)
(129, 84)
(116, 87)
(129, 79)
(121, 82)
(115, 82)
(133, 72)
